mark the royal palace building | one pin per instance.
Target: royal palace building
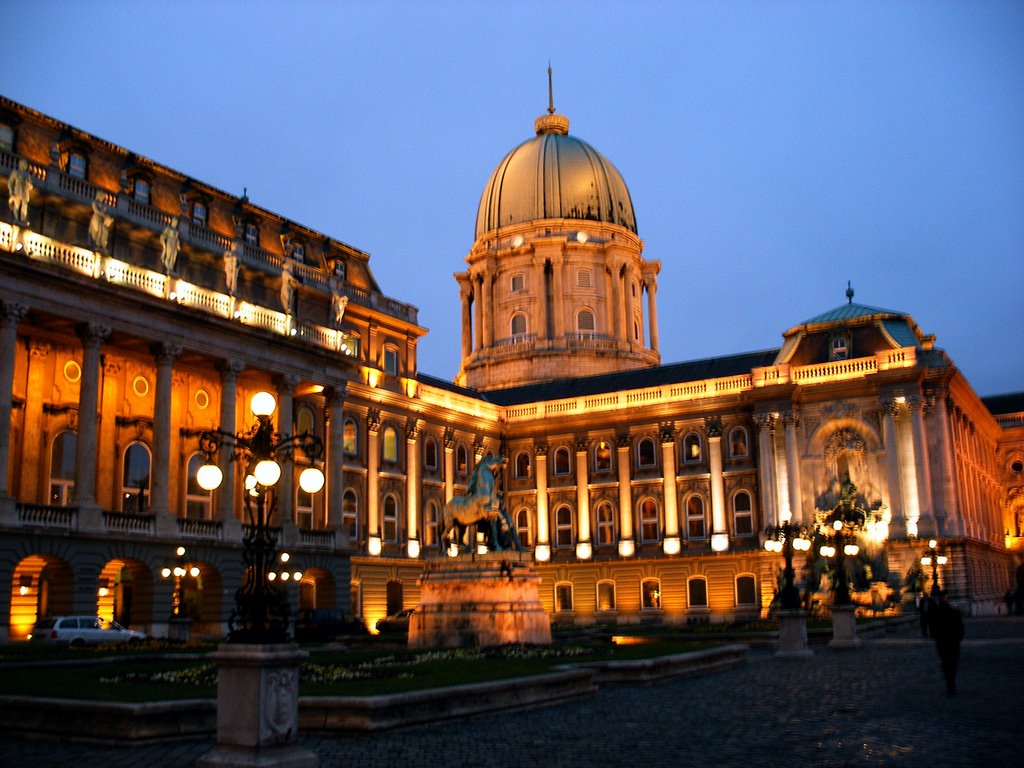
(141, 307)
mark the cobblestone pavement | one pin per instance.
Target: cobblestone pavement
(881, 705)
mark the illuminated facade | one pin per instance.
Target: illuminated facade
(141, 307)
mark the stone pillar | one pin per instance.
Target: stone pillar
(898, 521)
(487, 292)
(671, 544)
(616, 300)
(449, 464)
(791, 420)
(543, 549)
(373, 533)
(627, 545)
(10, 316)
(160, 482)
(465, 294)
(539, 287)
(584, 548)
(719, 527)
(766, 466)
(335, 460)
(652, 311)
(919, 439)
(108, 484)
(629, 304)
(412, 486)
(478, 310)
(557, 298)
(286, 485)
(33, 458)
(229, 519)
(947, 513)
(93, 337)
(908, 473)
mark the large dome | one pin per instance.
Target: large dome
(554, 176)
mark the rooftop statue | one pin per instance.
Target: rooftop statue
(169, 243)
(482, 503)
(231, 268)
(19, 188)
(99, 225)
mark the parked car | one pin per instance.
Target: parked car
(323, 624)
(82, 630)
(396, 622)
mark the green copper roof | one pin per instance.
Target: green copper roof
(849, 312)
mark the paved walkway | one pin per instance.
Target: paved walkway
(882, 705)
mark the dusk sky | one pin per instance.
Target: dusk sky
(773, 150)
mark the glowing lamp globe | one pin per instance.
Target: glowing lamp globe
(193, 571)
(311, 480)
(263, 404)
(166, 573)
(267, 472)
(209, 477)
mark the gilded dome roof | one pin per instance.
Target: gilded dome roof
(554, 176)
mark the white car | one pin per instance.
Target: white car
(82, 630)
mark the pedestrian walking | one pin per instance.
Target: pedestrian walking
(947, 629)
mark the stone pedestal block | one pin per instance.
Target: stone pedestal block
(844, 628)
(489, 600)
(793, 636)
(258, 708)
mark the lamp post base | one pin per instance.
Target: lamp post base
(793, 635)
(844, 628)
(258, 708)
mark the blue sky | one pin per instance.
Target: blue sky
(773, 150)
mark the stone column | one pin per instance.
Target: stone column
(652, 310)
(616, 300)
(947, 511)
(539, 288)
(543, 549)
(465, 294)
(412, 486)
(668, 485)
(627, 545)
(286, 485)
(373, 533)
(335, 460)
(449, 464)
(32, 458)
(919, 439)
(229, 371)
(557, 300)
(160, 482)
(107, 483)
(719, 527)
(629, 304)
(908, 473)
(766, 466)
(10, 316)
(487, 329)
(898, 521)
(791, 420)
(584, 548)
(93, 337)
(478, 310)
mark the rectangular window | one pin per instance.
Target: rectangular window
(697, 592)
(606, 596)
(518, 283)
(199, 213)
(77, 166)
(252, 234)
(299, 253)
(391, 361)
(746, 591)
(6, 137)
(563, 598)
(140, 191)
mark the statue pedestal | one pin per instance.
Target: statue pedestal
(485, 601)
(793, 636)
(258, 708)
(844, 628)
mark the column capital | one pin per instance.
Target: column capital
(765, 421)
(413, 427)
(791, 418)
(713, 426)
(373, 420)
(93, 334)
(165, 352)
(449, 438)
(889, 406)
(581, 444)
(623, 442)
(230, 368)
(336, 393)
(287, 381)
(667, 432)
(540, 449)
(13, 312)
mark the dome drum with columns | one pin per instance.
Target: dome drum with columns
(556, 279)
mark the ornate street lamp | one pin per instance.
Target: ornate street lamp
(786, 538)
(261, 607)
(935, 555)
(179, 627)
(838, 531)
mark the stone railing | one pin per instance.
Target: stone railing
(125, 522)
(45, 516)
(316, 539)
(211, 530)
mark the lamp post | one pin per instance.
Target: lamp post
(935, 556)
(839, 533)
(787, 538)
(257, 673)
(179, 627)
(261, 608)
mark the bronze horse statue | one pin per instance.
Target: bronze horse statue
(481, 503)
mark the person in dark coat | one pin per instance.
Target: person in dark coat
(947, 629)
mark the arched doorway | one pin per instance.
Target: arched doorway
(317, 589)
(125, 593)
(42, 585)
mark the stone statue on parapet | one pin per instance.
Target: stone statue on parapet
(169, 244)
(482, 506)
(100, 223)
(288, 284)
(231, 268)
(19, 189)
(338, 304)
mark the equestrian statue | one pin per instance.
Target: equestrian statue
(481, 504)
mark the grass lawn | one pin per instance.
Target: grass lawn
(140, 676)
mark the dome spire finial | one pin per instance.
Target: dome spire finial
(849, 293)
(551, 92)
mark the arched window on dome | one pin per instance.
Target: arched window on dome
(518, 328)
(585, 321)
